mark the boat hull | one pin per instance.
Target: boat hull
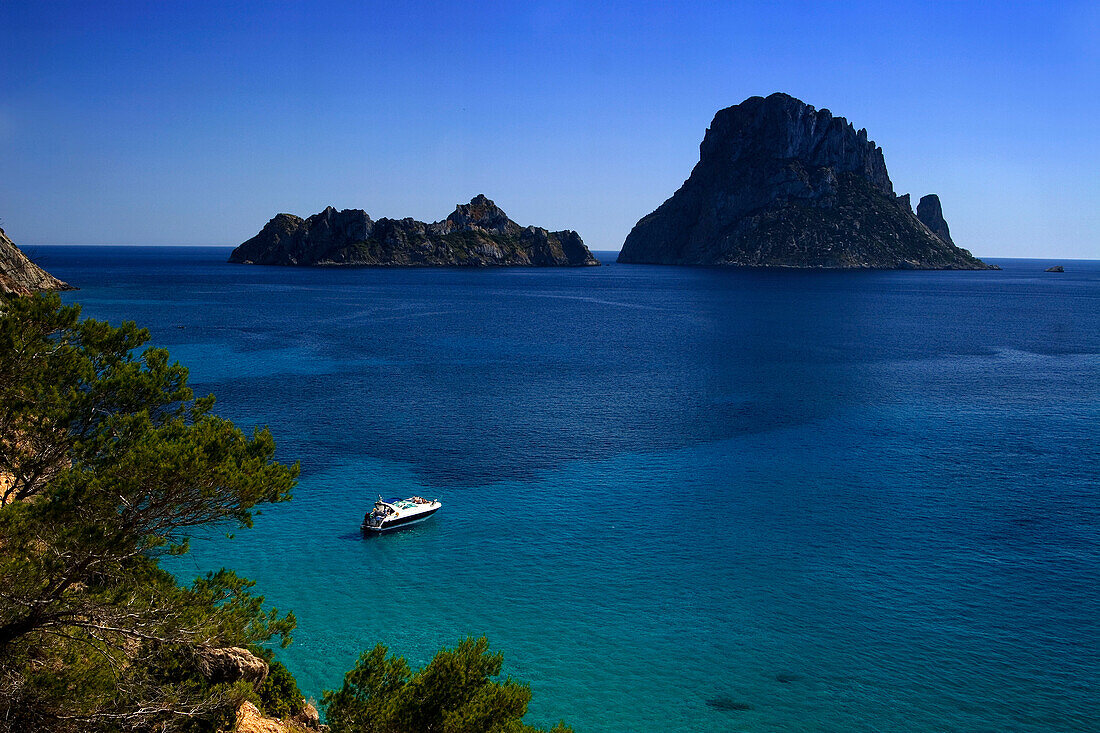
(391, 525)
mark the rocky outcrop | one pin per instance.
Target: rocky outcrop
(930, 214)
(20, 276)
(251, 720)
(307, 717)
(781, 184)
(230, 664)
(477, 234)
(1056, 268)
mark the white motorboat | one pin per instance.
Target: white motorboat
(398, 513)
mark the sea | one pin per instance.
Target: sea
(676, 499)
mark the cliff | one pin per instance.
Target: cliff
(477, 234)
(20, 276)
(249, 719)
(781, 184)
(930, 214)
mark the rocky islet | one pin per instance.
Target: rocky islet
(477, 234)
(782, 184)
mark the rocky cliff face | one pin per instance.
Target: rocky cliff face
(229, 664)
(250, 720)
(20, 276)
(477, 234)
(931, 215)
(781, 184)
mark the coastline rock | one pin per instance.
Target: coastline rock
(230, 664)
(1056, 268)
(308, 717)
(930, 214)
(250, 720)
(20, 276)
(477, 234)
(781, 184)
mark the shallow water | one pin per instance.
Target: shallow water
(678, 499)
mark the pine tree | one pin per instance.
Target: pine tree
(107, 464)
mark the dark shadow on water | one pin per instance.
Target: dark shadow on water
(728, 704)
(787, 678)
(482, 376)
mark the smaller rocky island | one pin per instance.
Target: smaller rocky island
(1056, 268)
(477, 234)
(20, 276)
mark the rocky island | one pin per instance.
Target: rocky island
(20, 276)
(781, 184)
(477, 234)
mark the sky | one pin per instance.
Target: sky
(195, 122)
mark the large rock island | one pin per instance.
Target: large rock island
(20, 276)
(477, 234)
(781, 184)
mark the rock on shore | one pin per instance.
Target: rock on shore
(20, 276)
(781, 184)
(477, 234)
(250, 720)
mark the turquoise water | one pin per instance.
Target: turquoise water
(677, 499)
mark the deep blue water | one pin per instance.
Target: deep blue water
(850, 501)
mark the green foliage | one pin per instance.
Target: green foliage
(279, 696)
(107, 463)
(454, 693)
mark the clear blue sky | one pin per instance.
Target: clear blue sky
(193, 123)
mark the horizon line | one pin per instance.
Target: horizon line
(24, 247)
